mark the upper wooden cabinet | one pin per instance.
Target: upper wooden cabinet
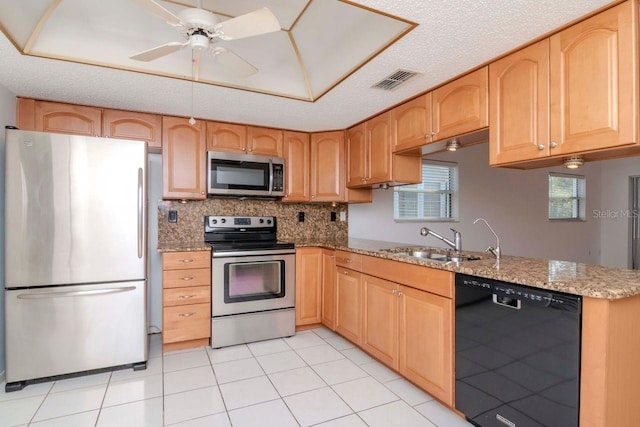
(297, 157)
(264, 141)
(327, 170)
(130, 125)
(589, 71)
(226, 137)
(234, 138)
(461, 106)
(411, 124)
(519, 112)
(183, 159)
(67, 118)
(370, 159)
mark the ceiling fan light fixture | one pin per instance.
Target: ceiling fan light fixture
(573, 162)
(199, 41)
(453, 145)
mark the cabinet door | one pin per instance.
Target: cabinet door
(593, 88)
(356, 156)
(329, 289)
(379, 149)
(131, 125)
(183, 159)
(519, 85)
(226, 137)
(297, 156)
(264, 141)
(426, 352)
(327, 170)
(308, 286)
(380, 322)
(461, 106)
(411, 124)
(67, 118)
(349, 304)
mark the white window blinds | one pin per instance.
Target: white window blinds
(566, 196)
(435, 199)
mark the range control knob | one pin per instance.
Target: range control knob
(268, 221)
(214, 221)
(223, 220)
(261, 221)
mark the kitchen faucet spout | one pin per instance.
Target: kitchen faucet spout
(456, 244)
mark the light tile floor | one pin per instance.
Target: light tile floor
(314, 378)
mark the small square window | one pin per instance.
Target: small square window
(435, 199)
(567, 197)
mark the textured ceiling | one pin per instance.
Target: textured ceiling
(452, 36)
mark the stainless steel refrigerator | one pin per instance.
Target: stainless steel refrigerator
(75, 255)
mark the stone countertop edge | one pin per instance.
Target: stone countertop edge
(563, 276)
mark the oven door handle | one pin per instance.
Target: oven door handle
(215, 254)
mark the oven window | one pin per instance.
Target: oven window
(250, 281)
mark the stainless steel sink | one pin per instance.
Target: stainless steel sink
(433, 255)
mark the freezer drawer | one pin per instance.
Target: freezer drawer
(66, 329)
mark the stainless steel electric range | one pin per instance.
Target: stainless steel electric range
(252, 280)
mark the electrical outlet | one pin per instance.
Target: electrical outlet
(334, 217)
(300, 216)
(173, 216)
(343, 216)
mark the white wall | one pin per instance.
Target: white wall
(515, 202)
(7, 118)
(614, 223)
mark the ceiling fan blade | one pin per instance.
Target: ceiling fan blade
(258, 22)
(158, 51)
(165, 14)
(233, 63)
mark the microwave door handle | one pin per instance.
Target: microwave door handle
(270, 176)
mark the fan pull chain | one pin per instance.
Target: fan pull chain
(192, 121)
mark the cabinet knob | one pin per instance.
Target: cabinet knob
(250, 150)
(553, 144)
(186, 314)
(540, 147)
(186, 261)
(433, 133)
(202, 192)
(393, 291)
(313, 196)
(345, 272)
(187, 278)
(399, 293)
(186, 296)
(244, 149)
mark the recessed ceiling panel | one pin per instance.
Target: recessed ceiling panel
(335, 38)
(329, 39)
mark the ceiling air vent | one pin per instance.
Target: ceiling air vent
(394, 80)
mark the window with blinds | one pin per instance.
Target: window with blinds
(567, 197)
(435, 199)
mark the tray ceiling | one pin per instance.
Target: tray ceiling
(321, 42)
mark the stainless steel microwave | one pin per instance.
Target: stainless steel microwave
(230, 174)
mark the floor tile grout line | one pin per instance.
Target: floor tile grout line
(104, 396)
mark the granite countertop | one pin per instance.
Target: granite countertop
(564, 276)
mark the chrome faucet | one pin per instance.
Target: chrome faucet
(494, 251)
(456, 244)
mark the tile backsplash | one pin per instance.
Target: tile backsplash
(190, 224)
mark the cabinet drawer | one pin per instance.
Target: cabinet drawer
(186, 278)
(184, 296)
(349, 260)
(186, 322)
(182, 260)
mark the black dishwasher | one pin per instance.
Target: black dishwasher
(517, 354)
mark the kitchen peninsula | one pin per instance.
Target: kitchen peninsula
(611, 307)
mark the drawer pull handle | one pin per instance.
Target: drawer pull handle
(187, 296)
(187, 278)
(346, 260)
(186, 261)
(186, 314)
(345, 272)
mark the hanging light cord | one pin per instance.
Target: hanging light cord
(192, 121)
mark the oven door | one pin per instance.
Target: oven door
(252, 281)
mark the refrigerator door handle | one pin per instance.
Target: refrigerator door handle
(65, 294)
(140, 212)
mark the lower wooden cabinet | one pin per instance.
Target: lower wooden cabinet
(380, 337)
(349, 304)
(186, 299)
(329, 289)
(426, 341)
(308, 286)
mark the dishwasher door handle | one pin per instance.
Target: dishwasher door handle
(516, 304)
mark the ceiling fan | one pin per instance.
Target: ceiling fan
(203, 29)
